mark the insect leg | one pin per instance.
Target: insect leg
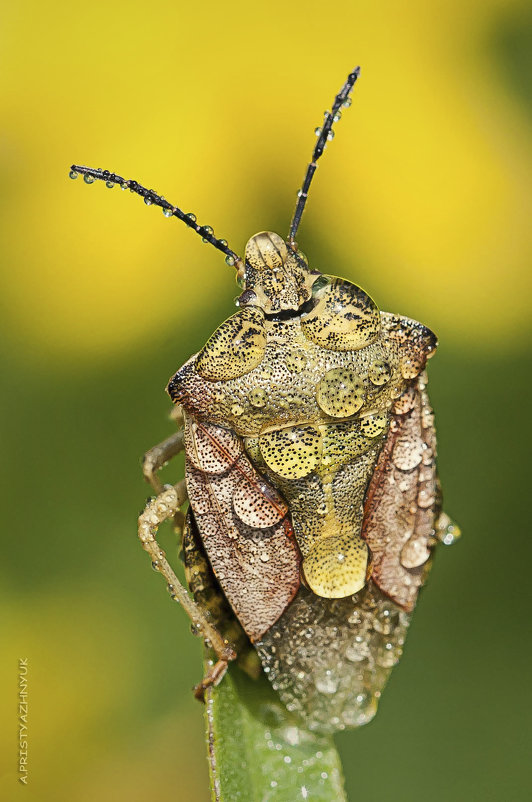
(160, 509)
(158, 456)
(208, 595)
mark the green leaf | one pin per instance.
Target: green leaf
(259, 753)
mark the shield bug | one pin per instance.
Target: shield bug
(314, 501)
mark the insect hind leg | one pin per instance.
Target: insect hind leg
(156, 511)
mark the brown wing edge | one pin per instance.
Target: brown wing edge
(403, 500)
(257, 568)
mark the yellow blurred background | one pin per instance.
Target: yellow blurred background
(423, 198)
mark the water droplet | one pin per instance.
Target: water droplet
(73, 174)
(386, 618)
(414, 553)
(326, 682)
(89, 179)
(291, 735)
(229, 260)
(168, 212)
(147, 200)
(317, 131)
(450, 538)
(356, 652)
(191, 216)
(223, 242)
(123, 185)
(407, 455)
(347, 102)
(337, 116)
(295, 361)
(330, 135)
(257, 397)
(379, 372)
(340, 393)
(448, 532)
(428, 455)
(287, 759)
(155, 565)
(367, 707)
(208, 230)
(411, 366)
(374, 425)
(388, 654)
(109, 184)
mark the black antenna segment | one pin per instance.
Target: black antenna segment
(90, 175)
(324, 133)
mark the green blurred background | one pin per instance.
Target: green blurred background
(423, 199)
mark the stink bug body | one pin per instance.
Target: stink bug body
(314, 501)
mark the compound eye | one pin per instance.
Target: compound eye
(319, 284)
(235, 348)
(345, 318)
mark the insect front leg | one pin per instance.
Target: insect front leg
(158, 456)
(157, 510)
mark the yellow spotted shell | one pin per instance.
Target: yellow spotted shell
(235, 348)
(340, 393)
(344, 318)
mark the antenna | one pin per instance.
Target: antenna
(324, 133)
(90, 175)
